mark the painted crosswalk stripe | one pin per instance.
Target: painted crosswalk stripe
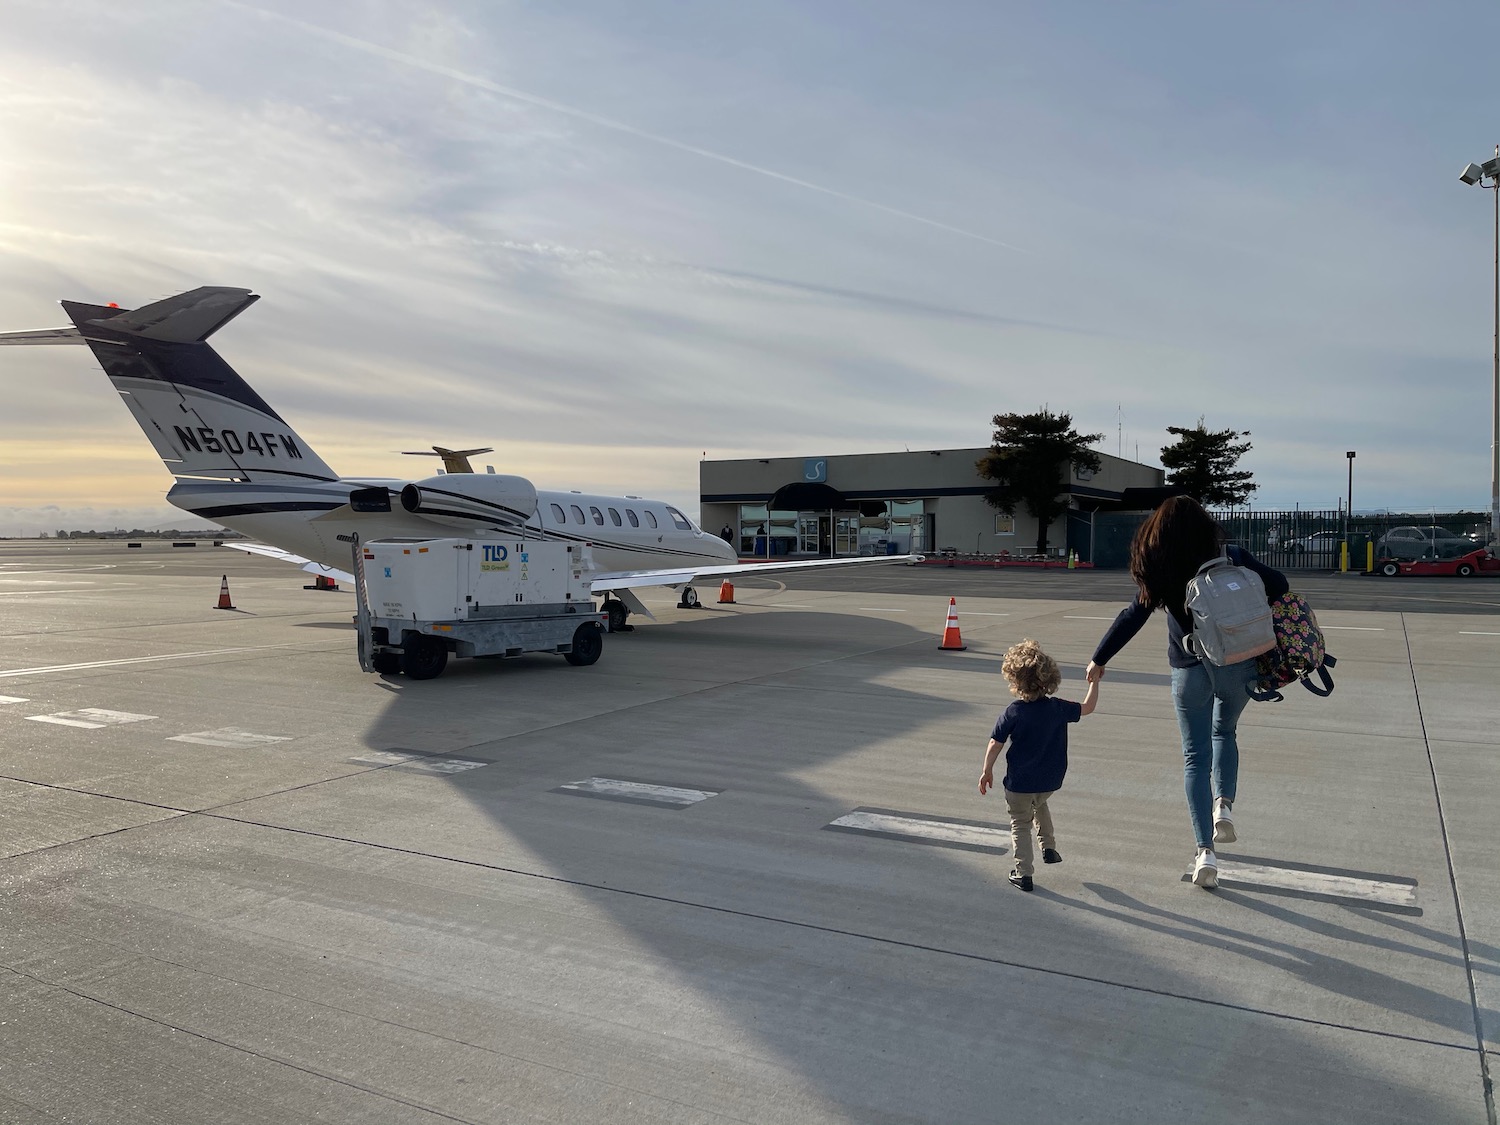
(638, 792)
(1352, 888)
(1476, 633)
(967, 835)
(232, 737)
(11, 699)
(90, 718)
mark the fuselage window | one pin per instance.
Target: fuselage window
(558, 515)
(597, 514)
(650, 518)
(614, 517)
(682, 522)
(631, 516)
(577, 513)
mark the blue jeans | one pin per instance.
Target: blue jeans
(1209, 701)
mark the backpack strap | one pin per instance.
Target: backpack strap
(1327, 687)
(1222, 560)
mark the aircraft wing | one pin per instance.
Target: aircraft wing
(633, 579)
(67, 335)
(296, 560)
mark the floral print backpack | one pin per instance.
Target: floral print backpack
(1299, 653)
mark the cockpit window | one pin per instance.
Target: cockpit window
(577, 513)
(558, 515)
(597, 514)
(682, 522)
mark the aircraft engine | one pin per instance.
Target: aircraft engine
(464, 499)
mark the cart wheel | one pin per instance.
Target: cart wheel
(423, 657)
(588, 644)
(386, 663)
(1464, 570)
(1390, 569)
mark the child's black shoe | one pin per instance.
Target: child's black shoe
(1051, 855)
(1019, 880)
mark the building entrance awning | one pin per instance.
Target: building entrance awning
(808, 496)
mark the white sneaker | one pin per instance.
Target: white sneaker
(1206, 869)
(1223, 822)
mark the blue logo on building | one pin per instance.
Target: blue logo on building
(815, 470)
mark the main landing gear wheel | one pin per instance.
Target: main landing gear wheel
(423, 657)
(689, 598)
(386, 663)
(588, 644)
(618, 613)
(1390, 569)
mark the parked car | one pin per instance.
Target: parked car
(1471, 562)
(1318, 543)
(1421, 543)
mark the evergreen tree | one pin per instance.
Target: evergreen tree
(1027, 460)
(1203, 462)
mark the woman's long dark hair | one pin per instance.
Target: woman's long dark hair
(1168, 549)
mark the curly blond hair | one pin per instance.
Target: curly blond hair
(1031, 672)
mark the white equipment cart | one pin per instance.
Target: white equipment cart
(417, 600)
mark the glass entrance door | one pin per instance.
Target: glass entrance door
(846, 533)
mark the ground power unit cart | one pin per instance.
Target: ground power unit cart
(420, 600)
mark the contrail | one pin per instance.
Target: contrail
(606, 122)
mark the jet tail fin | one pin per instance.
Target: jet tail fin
(202, 417)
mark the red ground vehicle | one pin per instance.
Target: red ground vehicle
(1475, 562)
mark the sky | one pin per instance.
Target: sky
(610, 239)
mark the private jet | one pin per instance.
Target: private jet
(239, 464)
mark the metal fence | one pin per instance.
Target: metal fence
(1297, 539)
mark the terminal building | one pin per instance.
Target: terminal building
(926, 502)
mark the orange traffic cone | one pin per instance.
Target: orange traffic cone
(726, 593)
(224, 602)
(322, 582)
(952, 639)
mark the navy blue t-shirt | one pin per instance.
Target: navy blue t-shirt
(1037, 757)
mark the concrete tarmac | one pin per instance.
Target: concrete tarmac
(242, 881)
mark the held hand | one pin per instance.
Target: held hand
(1094, 673)
(986, 782)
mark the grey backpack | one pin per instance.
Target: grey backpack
(1231, 619)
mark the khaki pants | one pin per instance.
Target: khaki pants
(1024, 808)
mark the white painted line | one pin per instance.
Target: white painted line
(11, 699)
(444, 765)
(133, 660)
(91, 718)
(1075, 617)
(980, 613)
(232, 737)
(384, 758)
(928, 831)
(880, 609)
(1317, 882)
(1356, 628)
(1476, 633)
(781, 605)
(638, 791)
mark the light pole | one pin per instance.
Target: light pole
(1348, 507)
(1476, 174)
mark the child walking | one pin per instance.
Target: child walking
(1036, 726)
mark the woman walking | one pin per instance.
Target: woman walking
(1166, 553)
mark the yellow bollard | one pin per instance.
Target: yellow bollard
(1344, 558)
(1370, 556)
